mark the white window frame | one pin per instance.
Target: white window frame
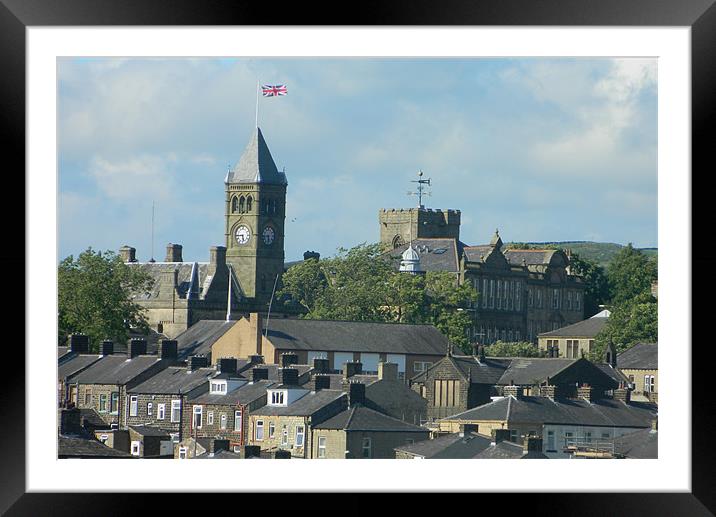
(223, 421)
(133, 405)
(135, 448)
(367, 445)
(103, 402)
(321, 446)
(271, 429)
(161, 410)
(209, 418)
(238, 420)
(182, 453)
(284, 435)
(114, 402)
(197, 410)
(150, 409)
(176, 406)
(300, 435)
(259, 427)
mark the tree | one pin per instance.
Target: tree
(94, 297)
(596, 291)
(631, 322)
(359, 284)
(630, 274)
(517, 349)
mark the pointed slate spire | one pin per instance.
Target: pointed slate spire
(256, 164)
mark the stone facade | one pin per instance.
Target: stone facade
(638, 378)
(400, 226)
(212, 426)
(99, 397)
(341, 444)
(143, 416)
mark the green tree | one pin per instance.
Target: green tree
(596, 291)
(516, 349)
(631, 322)
(630, 274)
(94, 297)
(448, 307)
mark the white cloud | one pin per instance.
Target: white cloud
(143, 177)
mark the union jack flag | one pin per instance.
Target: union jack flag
(273, 91)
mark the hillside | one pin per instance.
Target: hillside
(599, 252)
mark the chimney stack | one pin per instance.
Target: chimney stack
(311, 255)
(467, 429)
(515, 391)
(288, 359)
(500, 435)
(137, 346)
(173, 253)
(282, 454)
(219, 445)
(532, 444)
(587, 393)
(79, 343)
(250, 451)
(388, 371)
(217, 257)
(321, 382)
(622, 393)
(288, 376)
(356, 393)
(258, 374)
(549, 391)
(256, 325)
(197, 361)
(227, 365)
(320, 365)
(70, 421)
(106, 347)
(352, 368)
(127, 254)
(168, 349)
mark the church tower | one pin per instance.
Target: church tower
(255, 216)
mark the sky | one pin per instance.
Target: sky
(544, 149)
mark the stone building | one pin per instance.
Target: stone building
(575, 340)
(521, 292)
(242, 272)
(103, 385)
(640, 364)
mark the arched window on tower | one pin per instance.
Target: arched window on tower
(273, 206)
(234, 204)
(249, 203)
(241, 205)
(266, 206)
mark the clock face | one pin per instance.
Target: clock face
(243, 234)
(268, 235)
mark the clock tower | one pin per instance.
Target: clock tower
(255, 215)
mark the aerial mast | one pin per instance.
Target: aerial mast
(421, 189)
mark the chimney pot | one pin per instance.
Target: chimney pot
(352, 368)
(356, 393)
(288, 358)
(288, 376)
(197, 361)
(321, 382)
(137, 346)
(128, 254)
(227, 365)
(388, 371)
(320, 365)
(79, 343)
(106, 347)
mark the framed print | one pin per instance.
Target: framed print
(49, 53)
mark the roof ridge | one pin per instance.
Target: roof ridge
(350, 417)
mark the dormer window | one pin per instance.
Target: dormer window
(217, 387)
(278, 398)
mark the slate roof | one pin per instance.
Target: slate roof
(199, 338)
(245, 394)
(305, 406)
(525, 370)
(116, 369)
(337, 380)
(80, 447)
(543, 410)
(642, 444)
(76, 364)
(488, 371)
(175, 379)
(613, 373)
(62, 351)
(435, 254)
(504, 450)
(348, 336)
(361, 418)
(531, 257)
(588, 328)
(146, 430)
(392, 393)
(477, 253)
(448, 446)
(642, 356)
(273, 372)
(219, 455)
(186, 282)
(256, 165)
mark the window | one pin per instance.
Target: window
(135, 448)
(649, 385)
(539, 298)
(321, 446)
(249, 203)
(272, 429)
(234, 204)
(483, 294)
(277, 397)
(499, 294)
(284, 435)
(555, 298)
(222, 419)
(511, 293)
(217, 387)
(530, 298)
(88, 399)
(102, 402)
(605, 436)
(503, 334)
(182, 453)
(259, 430)
(573, 348)
(568, 438)
(237, 420)
(518, 290)
(550, 441)
(509, 335)
(197, 416)
(299, 435)
(421, 366)
(492, 294)
(514, 435)
(160, 411)
(176, 411)
(150, 408)
(588, 437)
(210, 418)
(447, 393)
(367, 448)
(577, 301)
(114, 402)
(132, 405)
(241, 205)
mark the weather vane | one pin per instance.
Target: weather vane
(421, 188)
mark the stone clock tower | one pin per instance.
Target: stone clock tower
(255, 215)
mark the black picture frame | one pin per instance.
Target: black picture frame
(700, 15)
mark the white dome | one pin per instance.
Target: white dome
(410, 261)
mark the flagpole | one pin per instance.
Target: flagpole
(258, 87)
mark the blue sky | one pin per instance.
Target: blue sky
(543, 149)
